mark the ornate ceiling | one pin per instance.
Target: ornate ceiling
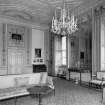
(40, 11)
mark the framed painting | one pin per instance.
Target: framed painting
(37, 52)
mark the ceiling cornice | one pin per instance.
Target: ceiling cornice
(8, 19)
(82, 9)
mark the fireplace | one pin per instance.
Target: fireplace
(39, 68)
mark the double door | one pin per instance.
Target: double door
(16, 60)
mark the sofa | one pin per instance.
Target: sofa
(62, 71)
(16, 85)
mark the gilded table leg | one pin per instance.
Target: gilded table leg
(40, 99)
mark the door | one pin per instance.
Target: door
(15, 61)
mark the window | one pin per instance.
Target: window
(63, 51)
(60, 51)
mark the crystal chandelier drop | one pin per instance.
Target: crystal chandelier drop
(66, 24)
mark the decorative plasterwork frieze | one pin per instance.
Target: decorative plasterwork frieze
(99, 10)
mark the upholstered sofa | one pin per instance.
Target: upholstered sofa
(16, 85)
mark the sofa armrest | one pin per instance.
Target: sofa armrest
(94, 77)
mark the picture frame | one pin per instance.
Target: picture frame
(37, 52)
(16, 35)
(81, 55)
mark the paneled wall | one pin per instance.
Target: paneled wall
(73, 51)
(47, 50)
(79, 50)
(3, 50)
(102, 44)
(95, 43)
(15, 49)
(98, 39)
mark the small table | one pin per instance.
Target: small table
(39, 90)
(74, 69)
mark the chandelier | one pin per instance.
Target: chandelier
(66, 24)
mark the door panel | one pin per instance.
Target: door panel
(15, 61)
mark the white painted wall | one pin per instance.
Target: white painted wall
(37, 42)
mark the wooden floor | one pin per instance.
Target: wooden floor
(66, 93)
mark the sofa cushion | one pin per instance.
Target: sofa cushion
(6, 82)
(43, 78)
(21, 81)
(96, 82)
(11, 92)
(34, 79)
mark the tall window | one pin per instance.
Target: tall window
(63, 51)
(60, 51)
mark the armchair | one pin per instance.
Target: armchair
(98, 81)
(41, 89)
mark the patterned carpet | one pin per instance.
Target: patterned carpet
(66, 93)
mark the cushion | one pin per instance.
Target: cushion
(96, 81)
(21, 81)
(5, 84)
(34, 79)
(43, 78)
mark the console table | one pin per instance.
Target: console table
(79, 71)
